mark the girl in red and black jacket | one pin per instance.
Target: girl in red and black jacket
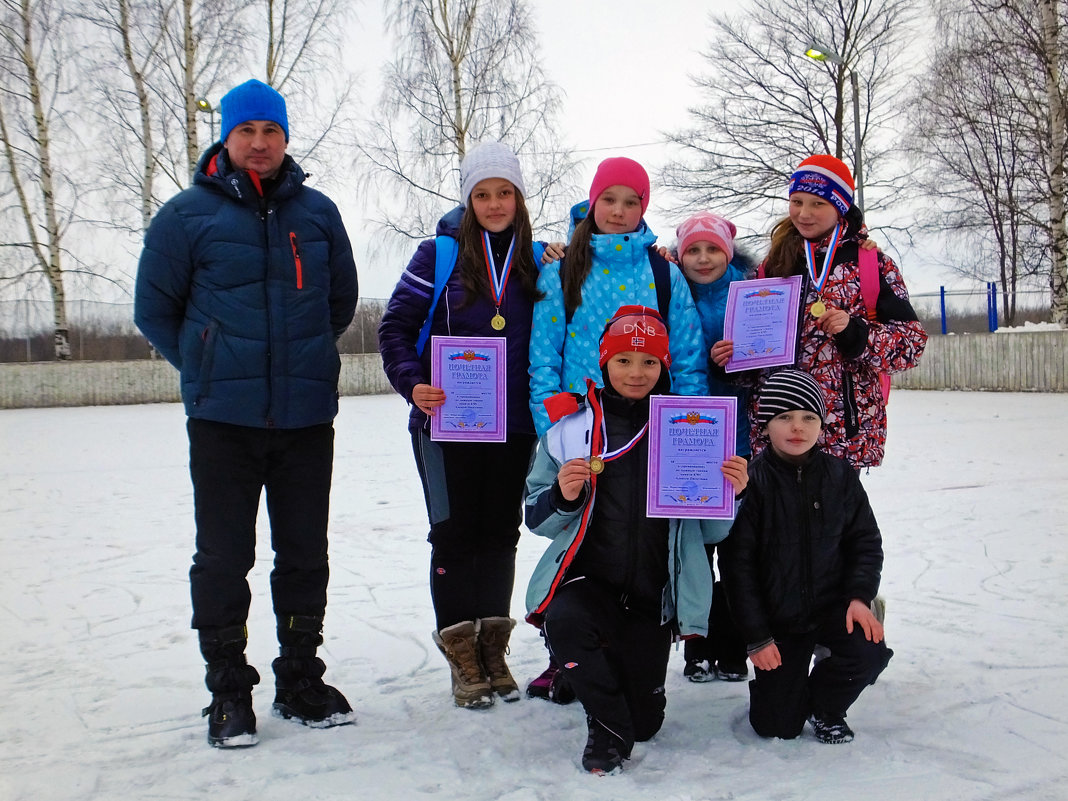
(838, 345)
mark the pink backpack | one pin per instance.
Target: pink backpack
(868, 266)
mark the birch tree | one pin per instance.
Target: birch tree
(976, 160)
(990, 139)
(1055, 97)
(302, 48)
(465, 71)
(32, 86)
(153, 64)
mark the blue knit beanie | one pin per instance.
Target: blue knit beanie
(252, 100)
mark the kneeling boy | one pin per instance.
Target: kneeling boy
(614, 585)
(801, 568)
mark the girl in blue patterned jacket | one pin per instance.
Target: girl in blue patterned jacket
(610, 262)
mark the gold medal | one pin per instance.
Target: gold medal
(596, 465)
(497, 322)
(817, 309)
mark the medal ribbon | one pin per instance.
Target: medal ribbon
(497, 284)
(810, 259)
(609, 456)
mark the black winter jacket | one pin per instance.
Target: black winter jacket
(805, 540)
(623, 548)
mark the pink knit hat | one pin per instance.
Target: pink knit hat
(621, 171)
(709, 227)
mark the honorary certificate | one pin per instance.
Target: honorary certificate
(761, 320)
(689, 438)
(471, 371)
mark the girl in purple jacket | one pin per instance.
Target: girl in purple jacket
(473, 490)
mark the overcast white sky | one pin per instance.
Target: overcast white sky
(611, 59)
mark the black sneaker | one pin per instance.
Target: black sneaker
(727, 671)
(231, 723)
(697, 670)
(313, 703)
(604, 752)
(831, 729)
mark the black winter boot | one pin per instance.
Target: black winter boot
(300, 693)
(231, 721)
(605, 750)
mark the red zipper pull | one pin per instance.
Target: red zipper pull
(296, 259)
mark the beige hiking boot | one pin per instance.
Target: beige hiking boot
(493, 636)
(459, 644)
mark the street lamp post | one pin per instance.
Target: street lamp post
(820, 52)
(204, 105)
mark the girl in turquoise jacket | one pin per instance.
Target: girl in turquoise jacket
(610, 262)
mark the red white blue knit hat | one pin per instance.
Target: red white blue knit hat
(826, 177)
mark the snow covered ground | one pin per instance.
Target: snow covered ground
(102, 684)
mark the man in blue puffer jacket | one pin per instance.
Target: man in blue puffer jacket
(245, 283)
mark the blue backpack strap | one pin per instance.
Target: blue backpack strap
(662, 280)
(446, 251)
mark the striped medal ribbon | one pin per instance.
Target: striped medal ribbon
(597, 463)
(497, 282)
(818, 308)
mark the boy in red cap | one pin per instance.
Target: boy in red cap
(615, 586)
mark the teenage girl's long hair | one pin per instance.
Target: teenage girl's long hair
(472, 258)
(784, 255)
(576, 266)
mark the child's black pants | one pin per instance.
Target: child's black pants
(781, 700)
(615, 658)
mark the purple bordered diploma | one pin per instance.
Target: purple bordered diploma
(471, 371)
(761, 320)
(689, 438)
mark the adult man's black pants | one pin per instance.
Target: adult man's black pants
(229, 466)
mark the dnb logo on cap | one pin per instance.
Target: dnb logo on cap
(635, 328)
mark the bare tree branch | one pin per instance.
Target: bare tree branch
(465, 71)
(767, 107)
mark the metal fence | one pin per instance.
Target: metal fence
(102, 330)
(971, 311)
